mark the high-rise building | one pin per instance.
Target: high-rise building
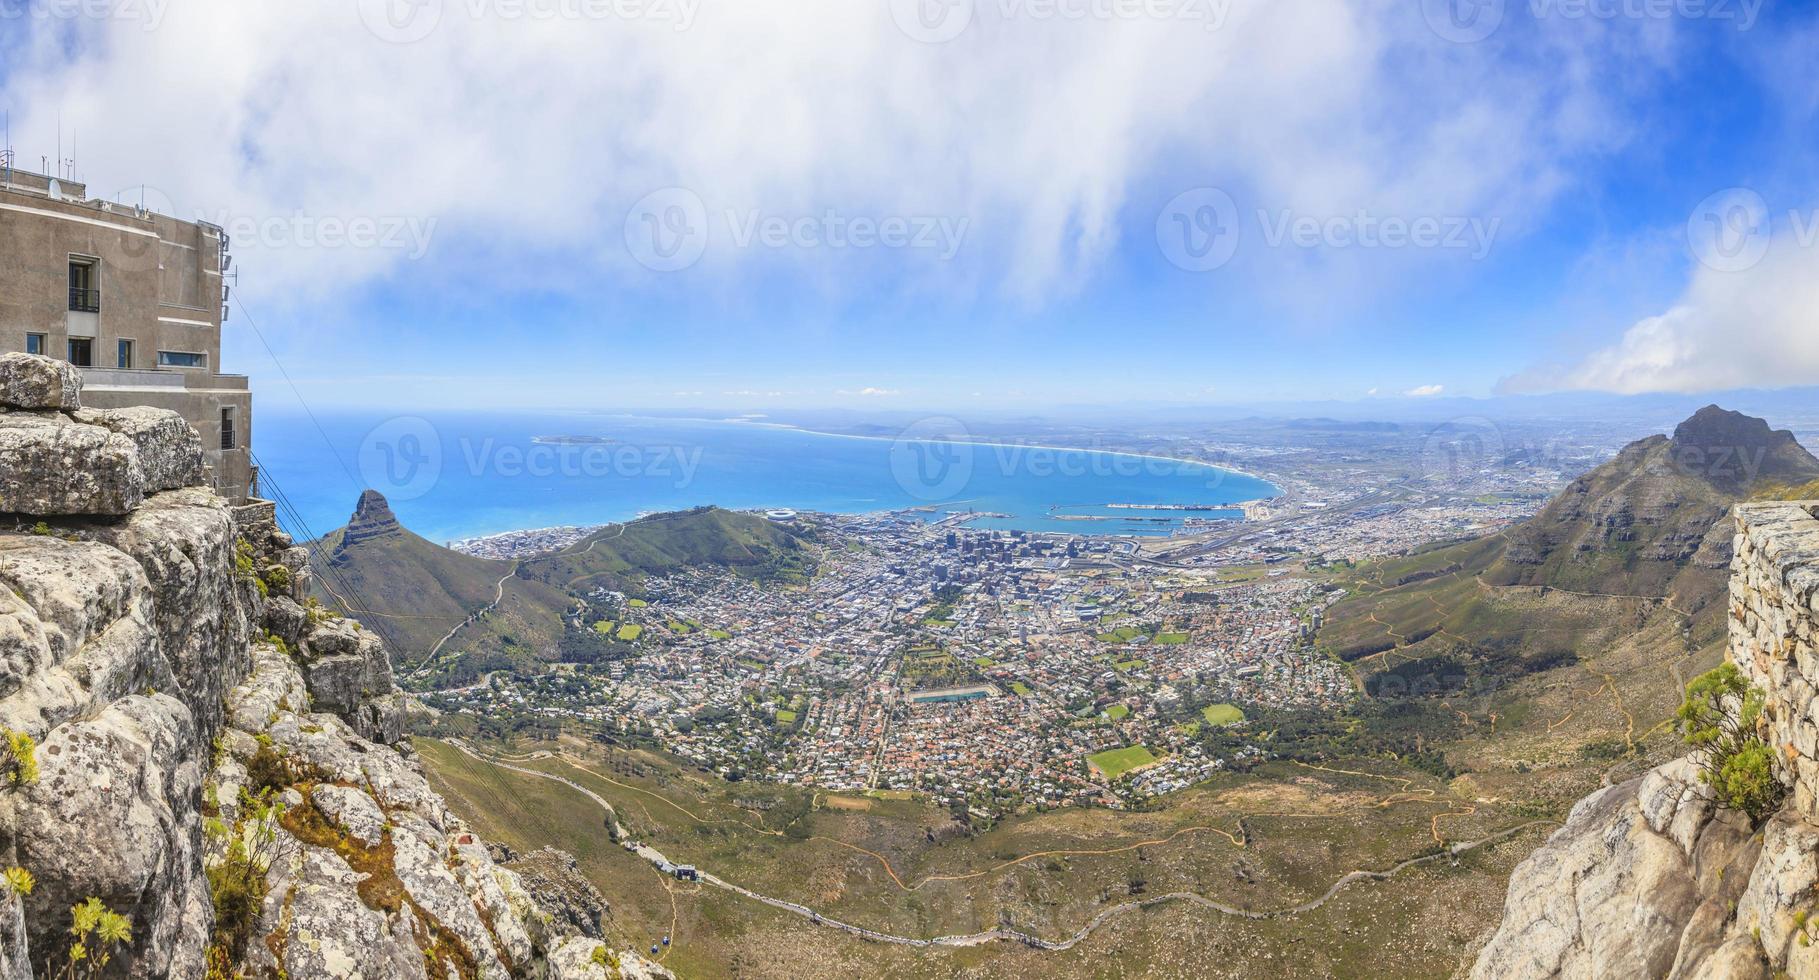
(133, 298)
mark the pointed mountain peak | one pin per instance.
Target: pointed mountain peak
(372, 518)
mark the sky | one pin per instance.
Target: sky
(961, 204)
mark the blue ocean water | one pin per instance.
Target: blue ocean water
(452, 476)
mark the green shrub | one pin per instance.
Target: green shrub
(41, 529)
(267, 771)
(279, 578)
(21, 760)
(237, 881)
(96, 932)
(18, 880)
(1721, 719)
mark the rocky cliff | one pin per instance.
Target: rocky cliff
(202, 772)
(1649, 877)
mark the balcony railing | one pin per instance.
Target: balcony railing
(84, 300)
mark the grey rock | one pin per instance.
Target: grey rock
(170, 449)
(32, 381)
(52, 466)
(116, 814)
(562, 891)
(184, 542)
(351, 810)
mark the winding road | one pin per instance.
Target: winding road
(1015, 935)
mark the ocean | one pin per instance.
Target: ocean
(450, 476)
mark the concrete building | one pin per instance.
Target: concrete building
(133, 298)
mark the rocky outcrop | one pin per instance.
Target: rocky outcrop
(39, 382)
(1650, 878)
(373, 518)
(558, 886)
(191, 743)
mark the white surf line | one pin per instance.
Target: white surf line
(1013, 935)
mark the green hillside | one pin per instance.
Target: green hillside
(410, 588)
(419, 592)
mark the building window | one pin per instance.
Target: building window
(227, 428)
(126, 353)
(82, 352)
(34, 343)
(180, 358)
(84, 286)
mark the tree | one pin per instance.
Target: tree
(1721, 719)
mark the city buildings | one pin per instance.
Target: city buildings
(133, 298)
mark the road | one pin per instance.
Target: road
(657, 857)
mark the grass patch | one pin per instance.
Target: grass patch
(1020, 689)
(1171, 639)
(604, 627)
(786, 717)
(630, 631)
(1123, 634)
(1221, 714)
(1117, 712)
(1116, 762)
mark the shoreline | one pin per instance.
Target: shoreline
(792, 427)
(469, 540)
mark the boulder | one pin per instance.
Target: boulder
(557, 885)
(77, 631)
(50, 465)
(170, 450)
(1624, 886)
(34, 382)
(323, 929)
(184, 542)
(115, 814)
(352, 810)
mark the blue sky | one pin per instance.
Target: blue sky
(964, 204)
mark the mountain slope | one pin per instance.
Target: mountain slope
(1574, 632)
(515, 615)
(411, 588)
(1634, 525)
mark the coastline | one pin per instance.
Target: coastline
(792, 427)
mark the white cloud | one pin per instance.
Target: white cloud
(1754, 328)
(869, 392)
(519, 142)
(1424, 391)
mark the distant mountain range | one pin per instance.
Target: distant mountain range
(498, 614)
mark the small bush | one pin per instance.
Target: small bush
(279, 578)
(41, 529)
(21, 760)
(1721, 720)
(267, 771)
(96, 933)
(18, 881)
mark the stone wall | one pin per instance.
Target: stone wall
(1774, 626)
